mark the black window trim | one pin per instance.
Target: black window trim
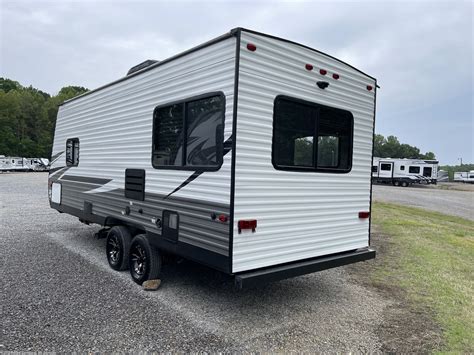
(315, 168)
(75, 139)
(220, 157)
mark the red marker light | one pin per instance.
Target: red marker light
(223, 218)
(364, 214)
(247, 224)
(323, 71)
(335, 76)
(309, 67)
(251, 47)
(369, 87)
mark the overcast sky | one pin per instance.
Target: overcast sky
(421, 52)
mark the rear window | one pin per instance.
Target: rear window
(311, 137)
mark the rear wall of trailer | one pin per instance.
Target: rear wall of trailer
(299, 214)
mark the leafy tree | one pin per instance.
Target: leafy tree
(390, 147)
(28, 117)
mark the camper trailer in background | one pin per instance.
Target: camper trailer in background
(466, 176)
(23, 164)
(404, 172)
(250, 154)
(13, 164)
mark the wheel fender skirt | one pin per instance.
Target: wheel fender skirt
(284, 271)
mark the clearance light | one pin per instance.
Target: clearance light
(251, 47)
(323, 71)
(364, 214)
(369, 87)
(335, 76)
(223, 218)
(247, 224)
(309, 67)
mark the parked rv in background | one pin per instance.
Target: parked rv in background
(23, 164)
(404, 172)
(465, 176)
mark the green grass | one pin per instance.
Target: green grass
(431, 256)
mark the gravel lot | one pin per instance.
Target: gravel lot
(456, 203)
(59, 294)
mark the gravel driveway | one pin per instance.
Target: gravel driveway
(456, 203)
(59, 294)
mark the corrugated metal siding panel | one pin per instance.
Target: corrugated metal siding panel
(114, 126)
(300, 215)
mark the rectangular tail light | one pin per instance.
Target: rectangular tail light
(247, 224)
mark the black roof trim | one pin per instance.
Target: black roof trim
(229, 34)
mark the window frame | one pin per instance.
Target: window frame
(73, 140)
(220, 156)
(416, 167)
(314, 168)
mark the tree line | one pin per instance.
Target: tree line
(28, 117)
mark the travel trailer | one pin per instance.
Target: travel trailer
(466, 176)
(13, 164)
(250, 154)
(404, 172)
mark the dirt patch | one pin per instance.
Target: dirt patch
(406, 327)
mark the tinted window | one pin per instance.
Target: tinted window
(414, 169)
(204, 131)
(168, 135)
(386, 167)
(72, 152)
(374, 169)
(402, 167)
(309, 136)
(189, 134)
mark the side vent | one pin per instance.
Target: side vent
(135, 184)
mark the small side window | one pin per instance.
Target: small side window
(72, 152)
(402, 167)
(375, 168)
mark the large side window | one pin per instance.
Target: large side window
(189, 134)
(414, 169)
(311, 137)
(72, 152)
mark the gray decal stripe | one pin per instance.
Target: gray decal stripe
(56, 156)
(56, 169)
(90, 180)
(227, 149)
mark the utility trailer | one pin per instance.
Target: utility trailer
(250, 154)
(404, 172)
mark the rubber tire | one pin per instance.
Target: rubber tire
(124, 239)
(396, 183)
(153, 260)
(404, 184)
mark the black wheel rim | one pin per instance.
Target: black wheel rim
(138, 261)
(113, 249)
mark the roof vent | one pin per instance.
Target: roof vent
(142, 65)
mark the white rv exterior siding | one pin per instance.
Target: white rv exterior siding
(114, 127)
(299, 214)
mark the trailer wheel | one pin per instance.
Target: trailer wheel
(144, 260)
(117, 247)
(396, 183)
(404, 184)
